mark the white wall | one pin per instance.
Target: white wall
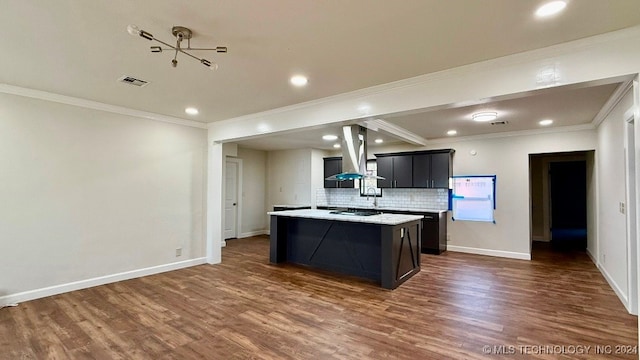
(508, 158)
(87, 193)
(254, 190)
(288, 177)
(612, 243)
(317, 173)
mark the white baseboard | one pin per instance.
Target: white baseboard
(223, 243)
(253, 233)
(592, 257)
(84, 284)
(623, 298)
(489, 252)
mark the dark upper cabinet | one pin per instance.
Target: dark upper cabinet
(385, 169)
(332, 166)
(402, 171)
(397, 171)
(432, 170)
(441, 169)
(420, 169)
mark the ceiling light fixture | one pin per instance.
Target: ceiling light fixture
(546, 122)
(299, 80)
(485, 116)
(181, 33)
(336, 146)
(191, 111)
(550, 8)
(379, 141)
(451, 132)
(329, 137)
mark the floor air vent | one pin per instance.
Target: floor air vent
(133, 81)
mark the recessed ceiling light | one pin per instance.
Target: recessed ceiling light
(550, 8)
(379, 141)
(299, 80)
(485, 116)
(329, 137)
(191, 111)
(451, 132)
(546, 122)
(337, 146)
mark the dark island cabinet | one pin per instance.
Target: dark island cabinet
(332, 166)
(397, 171)
(419, 169)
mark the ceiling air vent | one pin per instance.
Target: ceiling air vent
(502, 122)
(133, 81)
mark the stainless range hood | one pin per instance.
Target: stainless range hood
(354, 154)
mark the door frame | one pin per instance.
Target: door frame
(547, 159)
(238, 162)
(631, 209)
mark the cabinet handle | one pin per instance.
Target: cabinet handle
(432, 183)
(395, 183)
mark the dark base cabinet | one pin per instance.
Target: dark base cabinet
(387, 254)
(434, 233)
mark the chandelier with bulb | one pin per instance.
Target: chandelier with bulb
(181, 33)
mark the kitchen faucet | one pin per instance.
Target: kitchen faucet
(375, 198)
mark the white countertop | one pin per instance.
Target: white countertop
(382, 219)
(293, 205)
(412, 210)
(416, 210)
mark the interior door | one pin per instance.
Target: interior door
(231, 201)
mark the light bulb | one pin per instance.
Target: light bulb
(209, 64)
(551, 8)
(485, 116)
(191, 111)
(298, 80)
(133, 30)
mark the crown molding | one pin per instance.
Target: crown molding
(614, 99)
(89, 104)
(560, 129)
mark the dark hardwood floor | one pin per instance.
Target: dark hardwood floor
(246, 308)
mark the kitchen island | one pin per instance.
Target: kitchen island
(381, 247)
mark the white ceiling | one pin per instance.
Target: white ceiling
(80, 48)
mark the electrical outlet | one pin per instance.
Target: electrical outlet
(604, 259)
(178, 252)
(621, 207)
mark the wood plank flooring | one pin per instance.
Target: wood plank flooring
(246, 308)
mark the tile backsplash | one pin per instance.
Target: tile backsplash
(398, 199)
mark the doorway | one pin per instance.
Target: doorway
(568, 204)
(558, 192)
